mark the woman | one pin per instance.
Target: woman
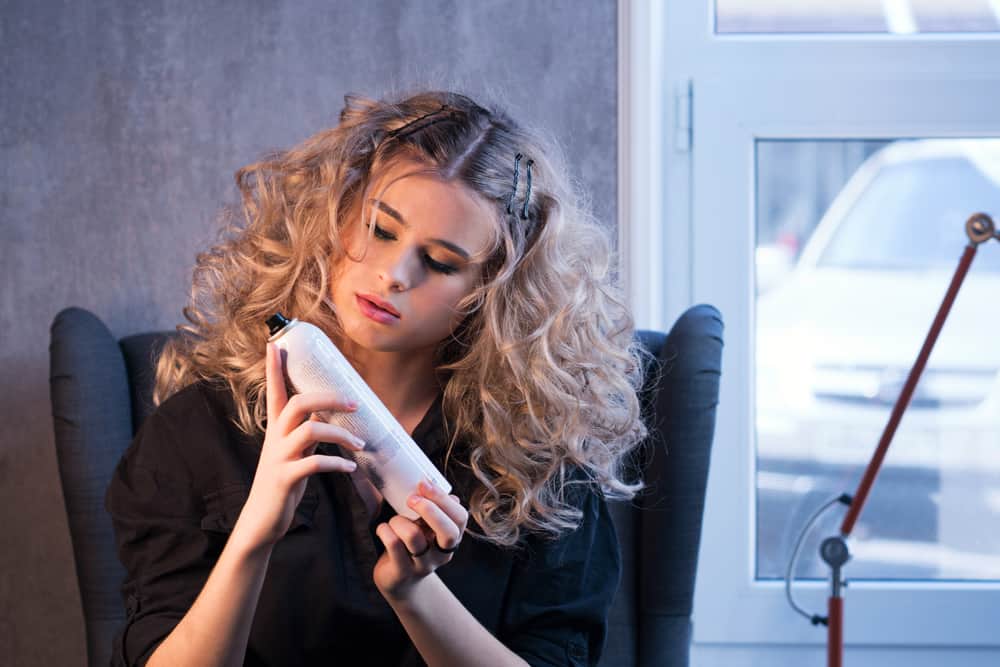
(440, 246)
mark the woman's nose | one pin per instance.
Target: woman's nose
(398, 270)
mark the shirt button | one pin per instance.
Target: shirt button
(131, 605)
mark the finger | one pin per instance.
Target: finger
(395, 548)
(274, 376)
(318, 463)
(300, 407)
(310, 450)
(449, 504)
(447, 532)
(412, 536)
(310, 432)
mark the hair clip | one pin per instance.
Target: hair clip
(418, 124)
(513, 191)
(527, 194)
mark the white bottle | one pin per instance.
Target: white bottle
(394, 463)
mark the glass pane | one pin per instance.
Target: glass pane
(847, 16)
(857, 242)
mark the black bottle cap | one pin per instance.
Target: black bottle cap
(277, 322)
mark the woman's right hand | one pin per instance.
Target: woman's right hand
(287, 458)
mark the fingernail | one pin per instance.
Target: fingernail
(359, 442)
(352, 405)
(352, 466)
(413, 500)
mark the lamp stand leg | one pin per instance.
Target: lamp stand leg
(834, 552)
(835, 632)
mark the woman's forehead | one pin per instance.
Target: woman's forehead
(412, 192)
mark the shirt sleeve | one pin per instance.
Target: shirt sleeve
(561, 592)
(158, 522)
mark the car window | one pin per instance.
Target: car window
(911, 217)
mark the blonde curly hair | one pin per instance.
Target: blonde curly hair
(543, 372)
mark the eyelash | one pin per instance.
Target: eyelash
(446, 269)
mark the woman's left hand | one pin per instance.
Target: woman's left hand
(414, 549)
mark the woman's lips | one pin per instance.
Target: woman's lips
(381, 303)
(373, 312)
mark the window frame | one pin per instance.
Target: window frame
(873, 86)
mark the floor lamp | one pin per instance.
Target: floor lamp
(833, 550)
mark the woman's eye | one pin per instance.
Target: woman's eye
(438, 266)
(434, 265)
(382, 234)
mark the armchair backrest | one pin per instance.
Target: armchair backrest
(101, 390)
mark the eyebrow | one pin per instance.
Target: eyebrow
(393, 213)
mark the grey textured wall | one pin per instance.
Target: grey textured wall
(121, 124)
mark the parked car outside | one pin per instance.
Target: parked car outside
(836, 336)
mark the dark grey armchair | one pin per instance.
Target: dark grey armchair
(101, 391)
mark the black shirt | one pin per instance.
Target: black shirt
(179, 488)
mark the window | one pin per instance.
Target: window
(742, 143)
(856, 242)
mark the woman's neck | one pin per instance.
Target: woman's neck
(405, 382)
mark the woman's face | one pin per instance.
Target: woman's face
(421, 261)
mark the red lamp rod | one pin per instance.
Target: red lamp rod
(861, 495)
